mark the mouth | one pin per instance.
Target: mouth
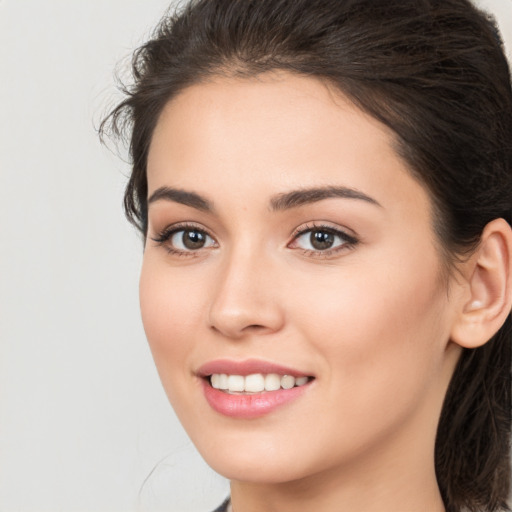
(255, 382)
(252, 388)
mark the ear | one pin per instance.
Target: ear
(487, 299)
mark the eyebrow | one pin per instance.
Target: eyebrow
(284, 201)
(181, 196)
(301, 197)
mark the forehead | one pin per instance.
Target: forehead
(274, 132)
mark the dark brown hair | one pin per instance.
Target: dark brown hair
(434, 71)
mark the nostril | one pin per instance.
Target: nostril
(235, 320)
(252, 328)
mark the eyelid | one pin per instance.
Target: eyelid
(178, 226)
(350, 240)
(163, 236)
(326, 226)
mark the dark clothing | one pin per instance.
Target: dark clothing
(223, 507)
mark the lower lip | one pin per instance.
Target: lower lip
(252, 405)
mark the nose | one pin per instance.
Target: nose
(245, 300)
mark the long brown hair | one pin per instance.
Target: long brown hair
(434, 71)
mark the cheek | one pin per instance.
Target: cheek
(380, 342)
(170, 310)
(382, 332)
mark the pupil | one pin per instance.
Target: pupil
(322, 240)
(193, 239)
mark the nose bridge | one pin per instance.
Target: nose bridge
(245, 298)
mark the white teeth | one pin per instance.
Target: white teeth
(272, 382)
(219, 381)
(255, 383)
(223, 381)
(236, 383)
(287, 382)
(301, 381)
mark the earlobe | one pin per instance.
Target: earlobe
(488, 300)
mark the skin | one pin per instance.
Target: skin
(371, 322)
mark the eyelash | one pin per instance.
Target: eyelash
(349, 240)
(165, 235)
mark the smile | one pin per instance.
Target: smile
(256, 382)
(251, 388)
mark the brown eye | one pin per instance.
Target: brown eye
(321, 240)
(190, 240)
(193, 239)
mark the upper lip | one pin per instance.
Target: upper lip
(247, 367)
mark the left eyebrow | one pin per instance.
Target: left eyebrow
(301, 197)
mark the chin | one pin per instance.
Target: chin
(259, 461)
(258, 471)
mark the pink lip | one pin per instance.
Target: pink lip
(247, 367)
(251, 405)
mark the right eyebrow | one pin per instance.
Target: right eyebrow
(182, 197)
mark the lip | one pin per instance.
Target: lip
(247, 367)
(253, 405)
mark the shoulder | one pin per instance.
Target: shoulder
(223, 507)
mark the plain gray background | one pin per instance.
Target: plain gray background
(83, 418)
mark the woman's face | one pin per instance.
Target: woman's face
(286, 237)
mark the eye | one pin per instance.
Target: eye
(190, 240)
(322, 239)
(183, 239)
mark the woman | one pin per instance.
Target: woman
(325, 193)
